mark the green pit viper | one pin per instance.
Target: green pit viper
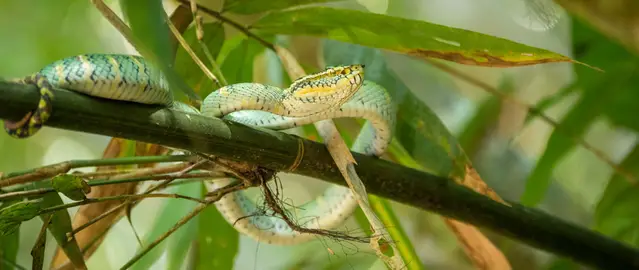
(333, 93)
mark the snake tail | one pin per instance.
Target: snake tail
(33, 121)
(109, 76)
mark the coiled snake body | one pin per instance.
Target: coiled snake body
(333, 93)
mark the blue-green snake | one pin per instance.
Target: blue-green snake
(333, 93)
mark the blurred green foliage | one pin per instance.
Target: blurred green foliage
(432, 104)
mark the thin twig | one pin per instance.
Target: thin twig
(190, 51)
(199, 30)
(169, 178)
(38, 174)
(120, 197)
(175, 176)
(104, 182)
(213, 198)
(235, 25)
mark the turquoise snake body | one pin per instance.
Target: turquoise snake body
(333, 93)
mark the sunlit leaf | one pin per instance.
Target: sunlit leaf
(72, 186)
(186, 67)
(616, 213)
(171, 211)
(218, 241)
(412, 37)
(256, 6)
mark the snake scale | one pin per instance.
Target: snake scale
(333, 93)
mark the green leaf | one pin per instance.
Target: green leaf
(256, 6)
(575, 123)
(169, 214)
(616, 212)
(620, 77)
(72, 186)
(13, 215)
(418, 128)
(60, 227)
(237, 64)
(187, 68)
(218, 241)
(152, 39)
(411, 37)
(10, 243)
(384, 210)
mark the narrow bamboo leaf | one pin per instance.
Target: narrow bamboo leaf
(14, 214)
(218, 241)
(237, 65)
(153, 39)
(256, 6)
(181, 240)
(10, 243)
(411, 37)
(60, 227)
(171, 211)
(405, 246)
(622, 108)
(616, 212)
(620, 79)
(186, 67)
(37, 252)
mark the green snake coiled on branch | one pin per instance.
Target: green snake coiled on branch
(333, 93)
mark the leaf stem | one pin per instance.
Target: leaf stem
(37, 174)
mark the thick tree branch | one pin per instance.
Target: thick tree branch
(279, 151)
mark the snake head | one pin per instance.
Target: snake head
(322, 91)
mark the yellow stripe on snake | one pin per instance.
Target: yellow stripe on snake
(333, 93)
